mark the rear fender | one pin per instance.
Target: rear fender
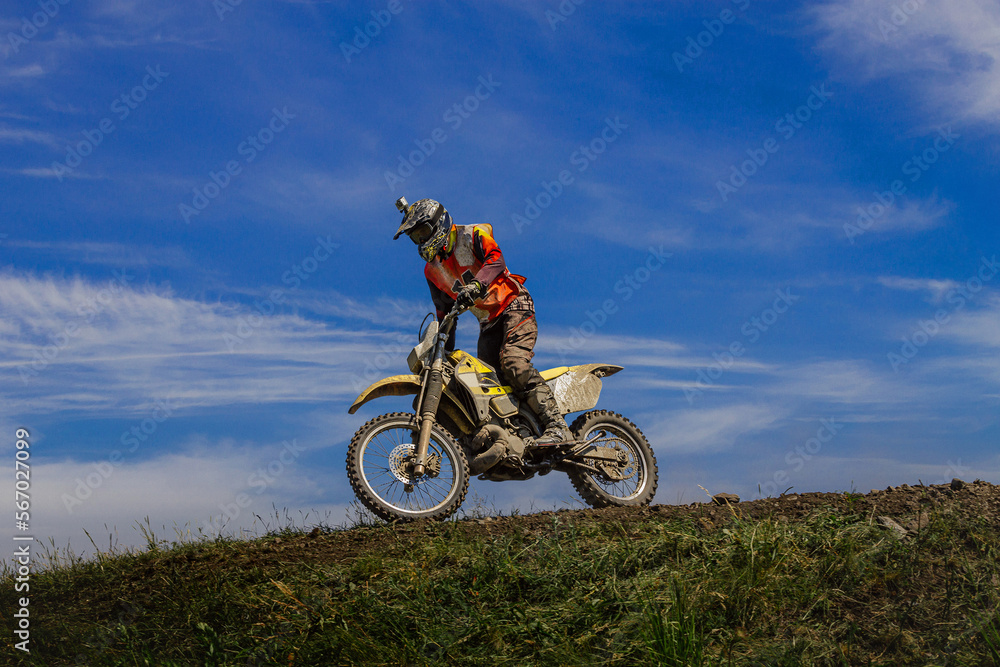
(579, 388)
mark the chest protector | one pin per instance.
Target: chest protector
(462, 265)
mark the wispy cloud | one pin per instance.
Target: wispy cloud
(710, 429)
(936, 289)
(10, 135)
(108, 347)
(114, 255)
(49, 172)
(840, 383)
(181, 492)
(26, 71)
(945, 52)
(979, 327)
(915, 215)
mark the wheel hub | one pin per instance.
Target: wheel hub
(621, 470)
(401, 461)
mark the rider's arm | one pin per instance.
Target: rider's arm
(488, 252)
(442, 304)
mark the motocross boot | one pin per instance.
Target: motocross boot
(540, 399)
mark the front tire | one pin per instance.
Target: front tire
(638, 472)
(379, 466)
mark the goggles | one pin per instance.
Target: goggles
(421, 233)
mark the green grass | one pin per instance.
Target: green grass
(830, 590)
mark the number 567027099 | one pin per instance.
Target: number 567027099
(22, 477)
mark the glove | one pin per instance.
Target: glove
(469, 293)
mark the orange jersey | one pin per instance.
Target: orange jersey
(474, 255)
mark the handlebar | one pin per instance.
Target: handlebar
(451, 316)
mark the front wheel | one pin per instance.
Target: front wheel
(380, 468)
(629, 482)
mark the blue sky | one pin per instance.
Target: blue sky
(779, 217)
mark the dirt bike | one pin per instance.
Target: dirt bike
(409, 466)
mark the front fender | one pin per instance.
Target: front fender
(395, 385)
(403, 385)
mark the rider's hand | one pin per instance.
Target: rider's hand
(469, 293)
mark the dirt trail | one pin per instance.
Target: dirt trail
(907, 507)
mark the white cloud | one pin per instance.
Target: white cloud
(318, 193)
(841, 382)
(979, 327)
(192, 489)
(979, 331)
(710, 429)
(915, 215)
(945, 52)
(27, 71)
(633, 350)
(109, 346)
(937, 289)
(9, 135)
(115, 255)
(49, 172)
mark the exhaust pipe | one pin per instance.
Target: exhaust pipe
(493, 445)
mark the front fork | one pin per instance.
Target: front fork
(428, 409)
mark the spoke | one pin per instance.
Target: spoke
(385, 457)
(611, 437)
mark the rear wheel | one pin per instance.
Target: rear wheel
(380, 468)
(631, 481)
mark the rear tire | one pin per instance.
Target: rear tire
(377, 461)
(613, 430)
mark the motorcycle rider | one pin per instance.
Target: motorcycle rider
(464, 264)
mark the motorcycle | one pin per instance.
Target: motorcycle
(409, 466)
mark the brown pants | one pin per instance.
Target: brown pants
(508, 345)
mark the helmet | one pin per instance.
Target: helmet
(427, 223)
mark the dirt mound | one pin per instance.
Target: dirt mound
(903, 509)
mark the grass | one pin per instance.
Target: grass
(829, 590)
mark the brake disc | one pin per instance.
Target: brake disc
(401, 461)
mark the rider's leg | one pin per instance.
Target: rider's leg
(516, 352)
(490, 340)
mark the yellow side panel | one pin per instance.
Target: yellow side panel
(461, 356)
(555, 372)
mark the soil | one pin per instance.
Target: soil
(909, 507)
